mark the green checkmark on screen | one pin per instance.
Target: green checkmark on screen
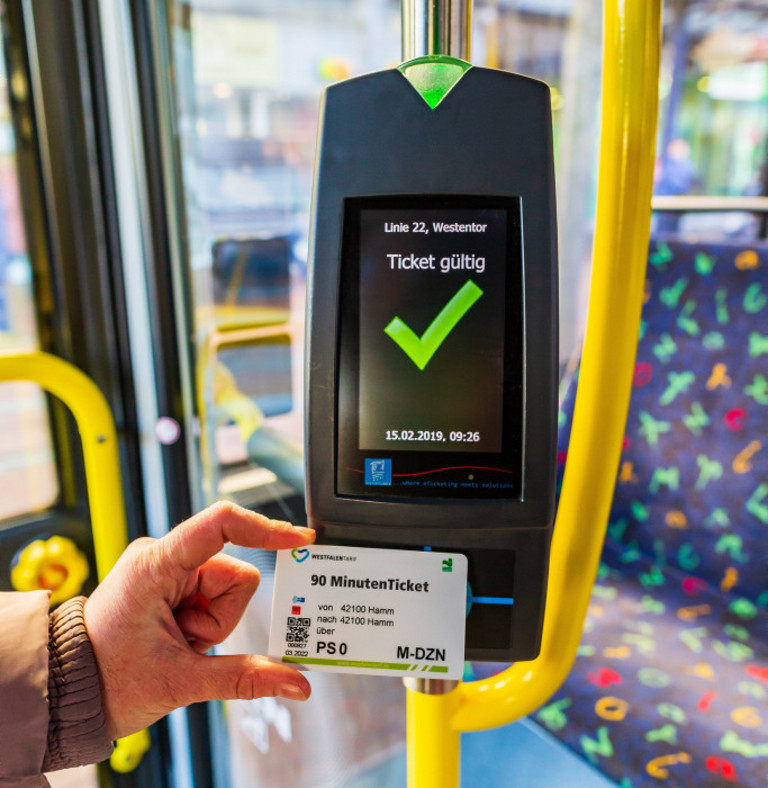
(421, 349)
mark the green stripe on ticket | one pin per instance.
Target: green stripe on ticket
(354, 663)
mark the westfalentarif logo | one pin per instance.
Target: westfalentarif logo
(300, 554)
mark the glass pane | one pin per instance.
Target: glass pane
(559, 42)
(27, 471)
(249, 75)
(248, 79)
(713, 125)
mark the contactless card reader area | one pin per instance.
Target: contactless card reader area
(432, 324)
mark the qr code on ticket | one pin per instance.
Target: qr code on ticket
(297, 631)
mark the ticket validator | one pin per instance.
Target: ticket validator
(431, 378)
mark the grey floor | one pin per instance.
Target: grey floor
(521, 755)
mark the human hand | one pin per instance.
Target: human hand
(166, 601)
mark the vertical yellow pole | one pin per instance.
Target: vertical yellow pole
(432, 741)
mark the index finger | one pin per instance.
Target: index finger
(194, 541)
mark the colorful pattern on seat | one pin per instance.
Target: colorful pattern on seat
(671, 683)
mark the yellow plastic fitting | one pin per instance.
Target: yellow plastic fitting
(54, 565)
(129, 751)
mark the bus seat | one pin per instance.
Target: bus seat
(670, 686)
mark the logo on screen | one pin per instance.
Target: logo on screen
(378, 472)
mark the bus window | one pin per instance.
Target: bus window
(713, 123)
(248, 77)
(28, 480)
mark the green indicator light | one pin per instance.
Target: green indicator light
(434, 76)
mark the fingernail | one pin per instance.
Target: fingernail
(306, 531)
(292, 691)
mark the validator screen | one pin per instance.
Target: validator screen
(432, 298)
(436, 359)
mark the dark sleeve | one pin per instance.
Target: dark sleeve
(77, 730)
(23, 676)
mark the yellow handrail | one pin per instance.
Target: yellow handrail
(102, 472)
(97, 432)
(631, 51)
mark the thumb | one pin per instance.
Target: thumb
(244, 677)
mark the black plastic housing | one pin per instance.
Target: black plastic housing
(490, 136)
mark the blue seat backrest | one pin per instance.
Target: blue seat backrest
(692, 489)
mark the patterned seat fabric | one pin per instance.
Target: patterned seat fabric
(671, 683)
